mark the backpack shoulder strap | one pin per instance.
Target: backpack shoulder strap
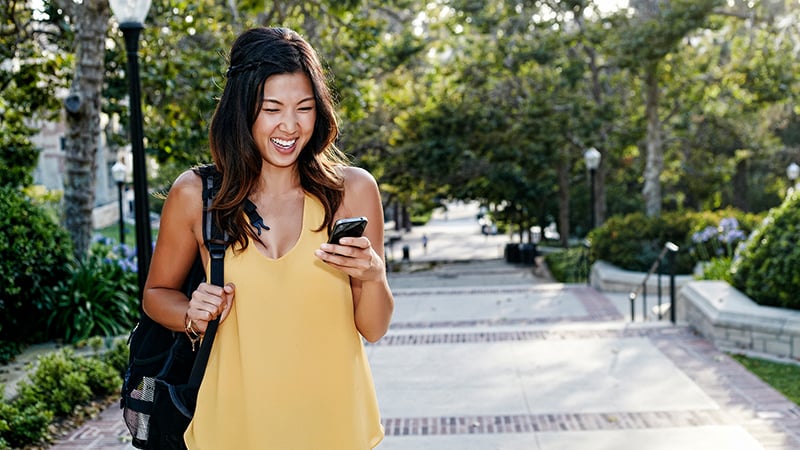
(211, 234)
(215, 239)
(216, 242)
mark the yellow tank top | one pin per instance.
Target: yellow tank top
(288, 369)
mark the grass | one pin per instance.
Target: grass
(112, 232)
(781, 376)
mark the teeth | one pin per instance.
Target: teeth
(283, 143)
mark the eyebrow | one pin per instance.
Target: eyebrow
(274, 100)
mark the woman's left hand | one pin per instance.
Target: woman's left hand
(355, 257)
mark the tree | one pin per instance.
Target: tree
(83, 107)
(29, 78)
(650, 37)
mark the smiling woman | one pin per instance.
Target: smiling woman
(286, 121)
(293, 306)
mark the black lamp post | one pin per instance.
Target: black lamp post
(592, 157)
(131, 14)
(119, 172)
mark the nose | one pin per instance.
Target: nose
(289, 123)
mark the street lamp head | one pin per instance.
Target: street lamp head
(119, 172)
(793, 171)
(592, 157)
(131, 12)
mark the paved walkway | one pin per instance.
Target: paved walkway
(486, 355)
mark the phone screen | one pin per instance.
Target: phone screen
(349, 227)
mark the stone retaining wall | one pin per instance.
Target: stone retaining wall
(717, 311)
(610, 278)
(732, 321)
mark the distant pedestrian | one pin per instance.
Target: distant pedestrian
(425, 243)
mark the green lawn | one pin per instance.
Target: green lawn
(112, 232)
(781, 376)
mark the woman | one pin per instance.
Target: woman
(287, 369)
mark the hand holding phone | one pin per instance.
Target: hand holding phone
(348, 227)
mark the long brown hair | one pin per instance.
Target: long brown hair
(256, 55)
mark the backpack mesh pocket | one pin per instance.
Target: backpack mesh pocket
(137, 420)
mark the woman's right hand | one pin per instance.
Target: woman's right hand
(209, 302)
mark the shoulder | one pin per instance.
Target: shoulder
(189, 183)
(185, 196)
(357, 179)
(182, 212)
(361, 193)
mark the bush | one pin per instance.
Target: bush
(718, 234)
(634, 241)
(718, 269)
(23, 426)
(34, 254)
(117, 356)
(63, 380)
(765, 268)
(56, 381)
(569, 265)
(99, 297)
(59, 385)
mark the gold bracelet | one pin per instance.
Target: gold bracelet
(193, 335)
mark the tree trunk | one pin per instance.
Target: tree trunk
(83, 106)
(655, 151)
(563, 203)
(740, 186)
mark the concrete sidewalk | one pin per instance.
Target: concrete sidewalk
(539, 365)
(486, 355)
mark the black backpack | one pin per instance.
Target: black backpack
(159, 390)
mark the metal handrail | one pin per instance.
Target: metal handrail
(670, 249)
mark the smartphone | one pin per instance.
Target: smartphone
(349, 227)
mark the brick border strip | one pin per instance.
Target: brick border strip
(524, 423)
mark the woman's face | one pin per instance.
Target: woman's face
(286, 120)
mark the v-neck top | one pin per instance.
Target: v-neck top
(287, 370)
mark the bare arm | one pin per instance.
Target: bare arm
(179, 241)
(363, 258)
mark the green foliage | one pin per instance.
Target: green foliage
(656, 32)
(718, 233)
(57, 385)
(63, 380)
(117, 356)
(58, 379)
(34, 254)
(29, 78)
(633, 242)
(102, 378)
(717, 269)
(765, 269)
(23, 425)
(18, 156)
(568, 265)
(49, 200)
(99, 297)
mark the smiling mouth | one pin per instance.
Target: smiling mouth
(283, 144)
